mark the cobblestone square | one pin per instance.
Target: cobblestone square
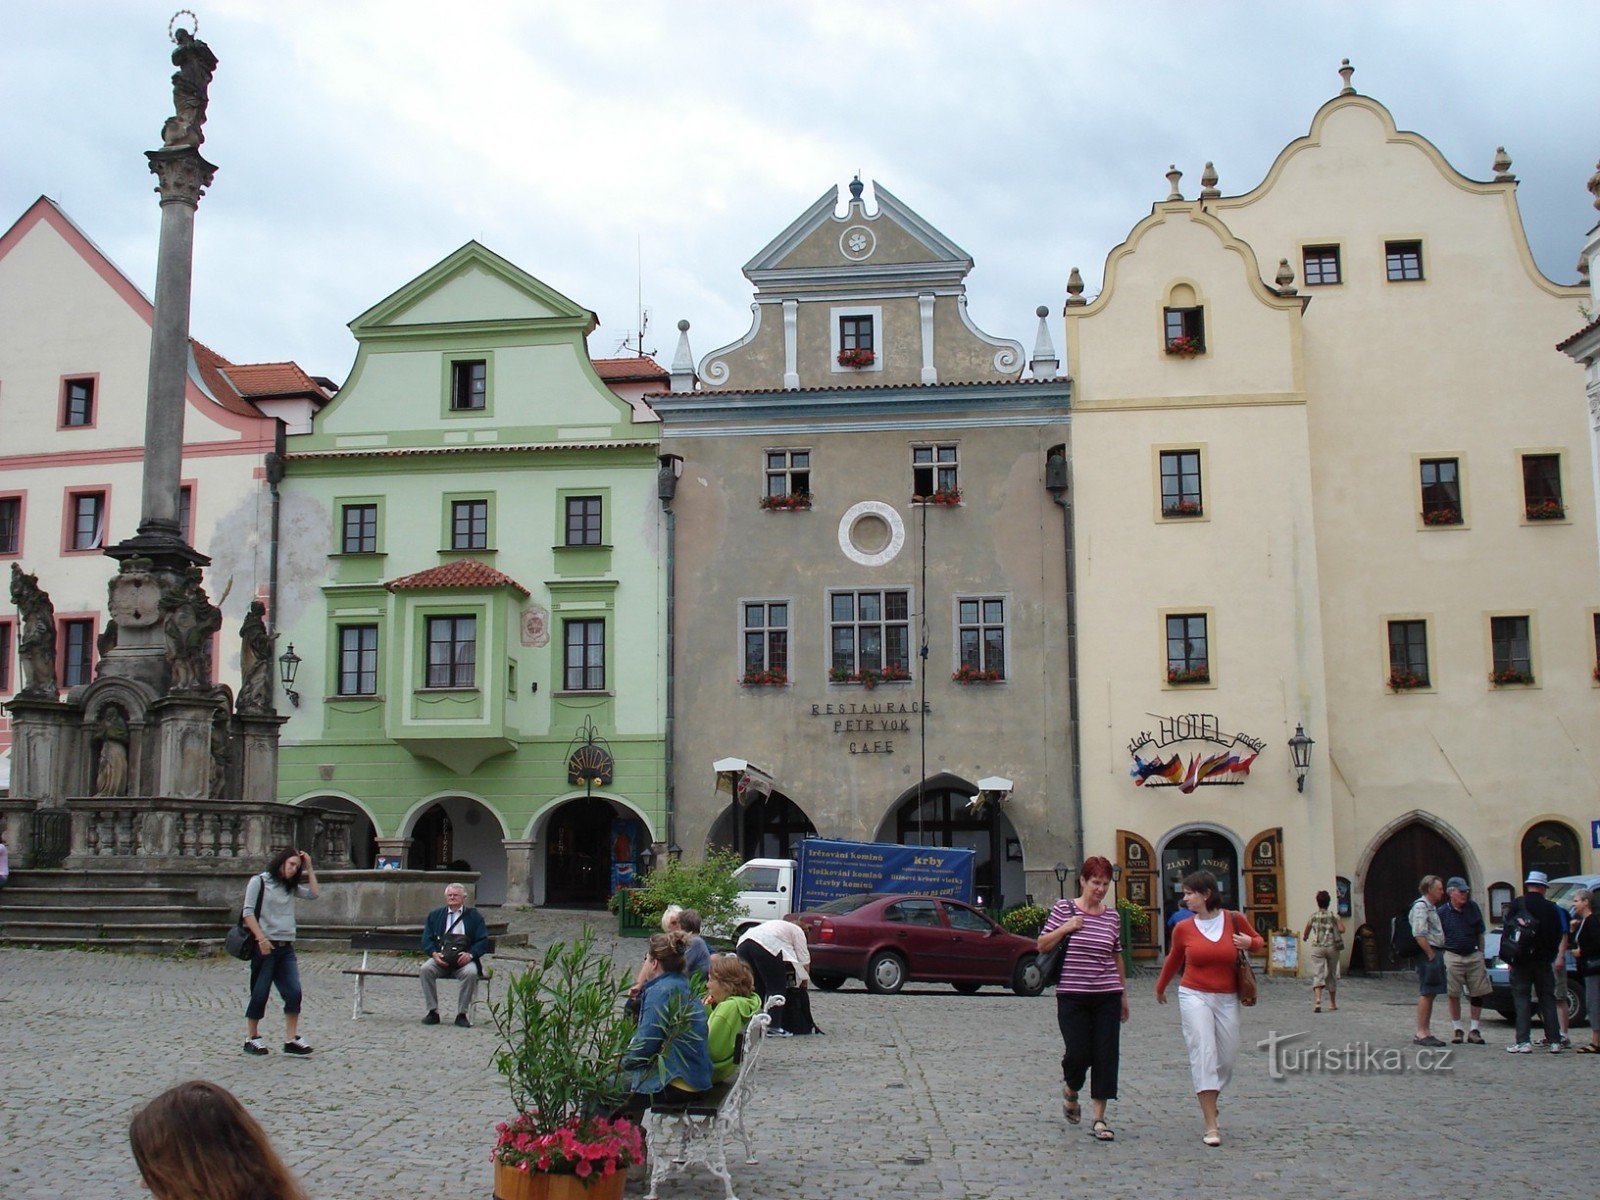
(928, 1094)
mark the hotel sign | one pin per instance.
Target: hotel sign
(1228, 765)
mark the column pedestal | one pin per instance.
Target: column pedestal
(519, 871)
(183, 746)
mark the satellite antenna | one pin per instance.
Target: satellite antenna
(634, 343)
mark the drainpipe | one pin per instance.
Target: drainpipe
(274, 473)
(666, 489)
(1058, 479)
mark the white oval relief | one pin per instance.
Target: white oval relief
(871, 533)
(535, 626)
(857, 242)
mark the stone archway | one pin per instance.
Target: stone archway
(453, 830)
(942, 812)
(579, 850)
(773, 825)
(363, 833)
(1389, 889)
(1551, 847)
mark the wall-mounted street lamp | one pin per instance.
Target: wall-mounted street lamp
(288, 667)
(647, 860)
(1062, 870)
(1300, 751)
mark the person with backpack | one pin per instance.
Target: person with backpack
(268, 913)
(1428, 933)
(1533, 942)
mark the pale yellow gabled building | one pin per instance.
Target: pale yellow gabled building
(1329, 474)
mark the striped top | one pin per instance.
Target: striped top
(1091, 961)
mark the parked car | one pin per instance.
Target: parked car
(889, 940)
(1500, 978)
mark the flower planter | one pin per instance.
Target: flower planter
(1510, 677)
(869, 679)
(1549, 510)
(950, 497)
(1184, 508)
(1405, 681)
(512, 1184)
(1183, 347)
(760, 679)
(1442, 516)
(793, 502)
(1197, 675)
(970, 675)
(857, 359)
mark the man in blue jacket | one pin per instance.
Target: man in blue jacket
(455, 938)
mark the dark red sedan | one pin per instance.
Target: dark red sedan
(887, 940)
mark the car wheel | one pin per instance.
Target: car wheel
(1575, 1006)
(828, 983)
(886, 973)
(966, 987)
(1027, 980)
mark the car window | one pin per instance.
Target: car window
(1560, 891)
(759, 879)
(965, 918)
(845, 904)
(912, 912)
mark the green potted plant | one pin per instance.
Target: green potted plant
(788, 502)
(562, 1036)
(708, 887)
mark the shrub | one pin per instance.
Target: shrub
(708, 887)
(1024, 919)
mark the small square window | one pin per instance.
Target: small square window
(1441, 491)
(980, 638)
(1403, 260)
(77, 653)
(88, 520)
(583, 521)
(360, 534)
(585, 656)
(452, 652)
(788, 473)
(10, 524)
(1512, 646)
(935, 473)
(1320, 265)
(77, 403)
(1541, 487)
(1408, 655)
(358, 660)
(1188, 656)
(469, 385)
(469, 525)
(855, 333)
(1185, 331)
(1180, 484)
(766, 641)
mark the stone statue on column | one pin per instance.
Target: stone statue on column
(188, 621)
(191, 83)
(36, 641)
(111, 777)
(255, 662)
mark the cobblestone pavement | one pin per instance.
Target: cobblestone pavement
(928, 1094)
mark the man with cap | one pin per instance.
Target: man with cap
(1538, 969)
(1462, 921)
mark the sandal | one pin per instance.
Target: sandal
(1591, 1048)
(1211, 1138)
(1070, 1108)
(1104, 1132)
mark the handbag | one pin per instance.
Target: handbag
(240, 939)
(1245, 975)
(1049, 962)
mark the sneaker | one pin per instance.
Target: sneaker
(1457, 1038)
(1475, 1038)
(1556, 1047)
(1430, 1040)
(298, 1046)
(462, 1022)
(1566, 1042)
(774, 1032)
(432, 1018)
(256, 1046)
(1520, 1048)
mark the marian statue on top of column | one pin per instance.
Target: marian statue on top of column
(190, 83)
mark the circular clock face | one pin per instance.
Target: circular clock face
(857, 243)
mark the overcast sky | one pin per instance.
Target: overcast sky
(360, 141)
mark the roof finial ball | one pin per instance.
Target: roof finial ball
(683, 326)
(1173, 176)
(856, 187)
(1208, 182)
(1345, 71)
(1502, 166)
(1075, 289)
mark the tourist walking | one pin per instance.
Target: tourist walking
(269, 900)
(1091, 994)
(196, 1142)
(1324, 939)
(1206, 952)
(1586, 947)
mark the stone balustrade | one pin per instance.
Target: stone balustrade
(215, 834)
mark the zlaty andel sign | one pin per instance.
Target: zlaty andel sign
(1226, 766)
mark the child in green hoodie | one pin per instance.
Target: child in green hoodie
(731, 1000)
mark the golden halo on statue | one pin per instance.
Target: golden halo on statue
(172, 25)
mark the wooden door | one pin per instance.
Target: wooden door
(1139, 885)
(1390, 888)
(1263, 898)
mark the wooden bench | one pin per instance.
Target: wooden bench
(695, 1132)
(380, 939)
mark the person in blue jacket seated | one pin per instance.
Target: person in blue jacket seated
(455, 938)
(670, 1057)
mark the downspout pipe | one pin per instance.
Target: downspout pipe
(274, 472)
(666, 489)
(1058, 479)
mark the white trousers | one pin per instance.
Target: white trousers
(1211, 1031)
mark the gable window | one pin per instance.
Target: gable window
(469, 525)
(766, 640)
(77, 652)
(1512, 647)
(358, 660)
(88, 515)
(935, 473)
(857, 345)
(77, 402)
(1320, 265)
(788, 473)
(10, 524)
(1441, 491)
(360, 534)
(452, 652)
(1403, 260)
(469, 385)
(585, 643)
(869, 632)
(1408, 655)
(980, 638)
(1188, 656)
(5, 657)
(1541, 487)
(583, 520)
(1180, 484)
(1185, 331)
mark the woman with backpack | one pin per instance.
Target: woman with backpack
(268, 914)
(1324, 938)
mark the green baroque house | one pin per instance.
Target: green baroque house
(469, 539)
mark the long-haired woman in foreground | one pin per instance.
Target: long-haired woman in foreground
(196, 1142)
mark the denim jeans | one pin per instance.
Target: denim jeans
(280, 967)
(1524, 978)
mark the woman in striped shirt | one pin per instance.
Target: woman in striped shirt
(1091, 995)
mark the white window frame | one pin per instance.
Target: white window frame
(1004, 625)
(880, 348)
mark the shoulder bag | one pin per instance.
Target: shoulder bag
(1245, 973)
(239, 938)
(1049, 961)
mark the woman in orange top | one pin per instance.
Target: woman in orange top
(1206, 951)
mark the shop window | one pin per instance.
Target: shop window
(452, 652)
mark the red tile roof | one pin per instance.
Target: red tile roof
(257, 381)
(467, 573)
(641, 368)
(1587, 329)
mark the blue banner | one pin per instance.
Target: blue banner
(831, 869)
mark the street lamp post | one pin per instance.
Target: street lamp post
(1061, 880)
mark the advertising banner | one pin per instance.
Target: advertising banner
(831, 869)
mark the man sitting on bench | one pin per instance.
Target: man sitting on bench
(455, 939)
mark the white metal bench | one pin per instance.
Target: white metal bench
(695, 1132)
(371, 940)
